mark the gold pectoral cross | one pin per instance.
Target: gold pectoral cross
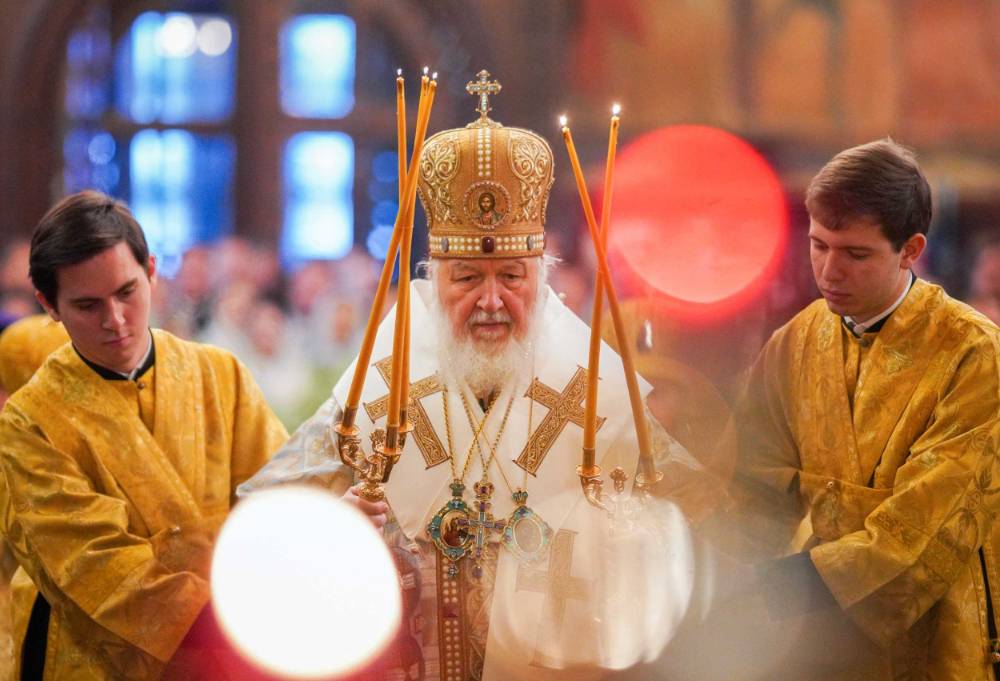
(564, 407)
(427, 440)
(558, 585)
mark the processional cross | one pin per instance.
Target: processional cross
(426, 438)
(483, 87)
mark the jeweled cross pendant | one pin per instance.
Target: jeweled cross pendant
(483, 87)
(482, 524)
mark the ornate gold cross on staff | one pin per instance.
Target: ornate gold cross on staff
(483, 87)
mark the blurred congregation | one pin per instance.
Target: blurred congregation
(296, 329)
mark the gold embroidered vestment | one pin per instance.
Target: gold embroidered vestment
(885, 449)
(113, 492)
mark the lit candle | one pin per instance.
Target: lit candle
(397, 392)
(638, 413)
(401, 131)
(594, 364)
(431, 88)
(401, 157)
(404, 373)
(368, 342)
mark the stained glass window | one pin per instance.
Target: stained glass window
(149, 119)
(176, 68)
(181, 190)
(319, 212)
(169, 68)
(90, 152)
(317, 66)
(383, 191)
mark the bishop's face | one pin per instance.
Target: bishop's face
(488, 301)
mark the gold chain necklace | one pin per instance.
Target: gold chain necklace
(475, 436)
(483, 523)
(496, 440)
(454, 529)
(525, 534)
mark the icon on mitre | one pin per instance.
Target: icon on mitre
(487, 205)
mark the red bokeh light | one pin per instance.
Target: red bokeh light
(699, 217)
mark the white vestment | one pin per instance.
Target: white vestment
(624, 592)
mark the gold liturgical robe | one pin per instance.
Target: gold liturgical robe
(24, 345)
(883, 453)
(113, 492)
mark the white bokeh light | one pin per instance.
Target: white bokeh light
(177, 36)
(303, 584)
(214, 37)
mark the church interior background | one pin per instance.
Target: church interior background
(255, 142)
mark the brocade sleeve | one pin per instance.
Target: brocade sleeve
(305, 458)
(257, 432)
(767, 507)
(75, 544)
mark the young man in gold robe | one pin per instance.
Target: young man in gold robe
(120, 457)
(869, 440)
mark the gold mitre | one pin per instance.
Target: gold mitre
(485, 187)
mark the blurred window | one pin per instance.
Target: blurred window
(319, 180)
(152, 115)
(181, 189)
(148, 121)
(317, 69)
(317, 65)
(176, 68)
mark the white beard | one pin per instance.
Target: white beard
(485, 368)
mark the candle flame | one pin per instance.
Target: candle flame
(434, 76)
(426, 69)
(399, 72)
(563, 121)
(616, 109)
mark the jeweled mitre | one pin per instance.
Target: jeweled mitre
(485, 187)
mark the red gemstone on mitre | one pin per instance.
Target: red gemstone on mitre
(488, 244)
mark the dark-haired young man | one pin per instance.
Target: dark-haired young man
(869, 440)
(119, 459)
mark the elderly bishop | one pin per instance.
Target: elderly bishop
(507, 571)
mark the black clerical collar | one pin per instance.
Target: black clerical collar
(112, 375)
(858, 329)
